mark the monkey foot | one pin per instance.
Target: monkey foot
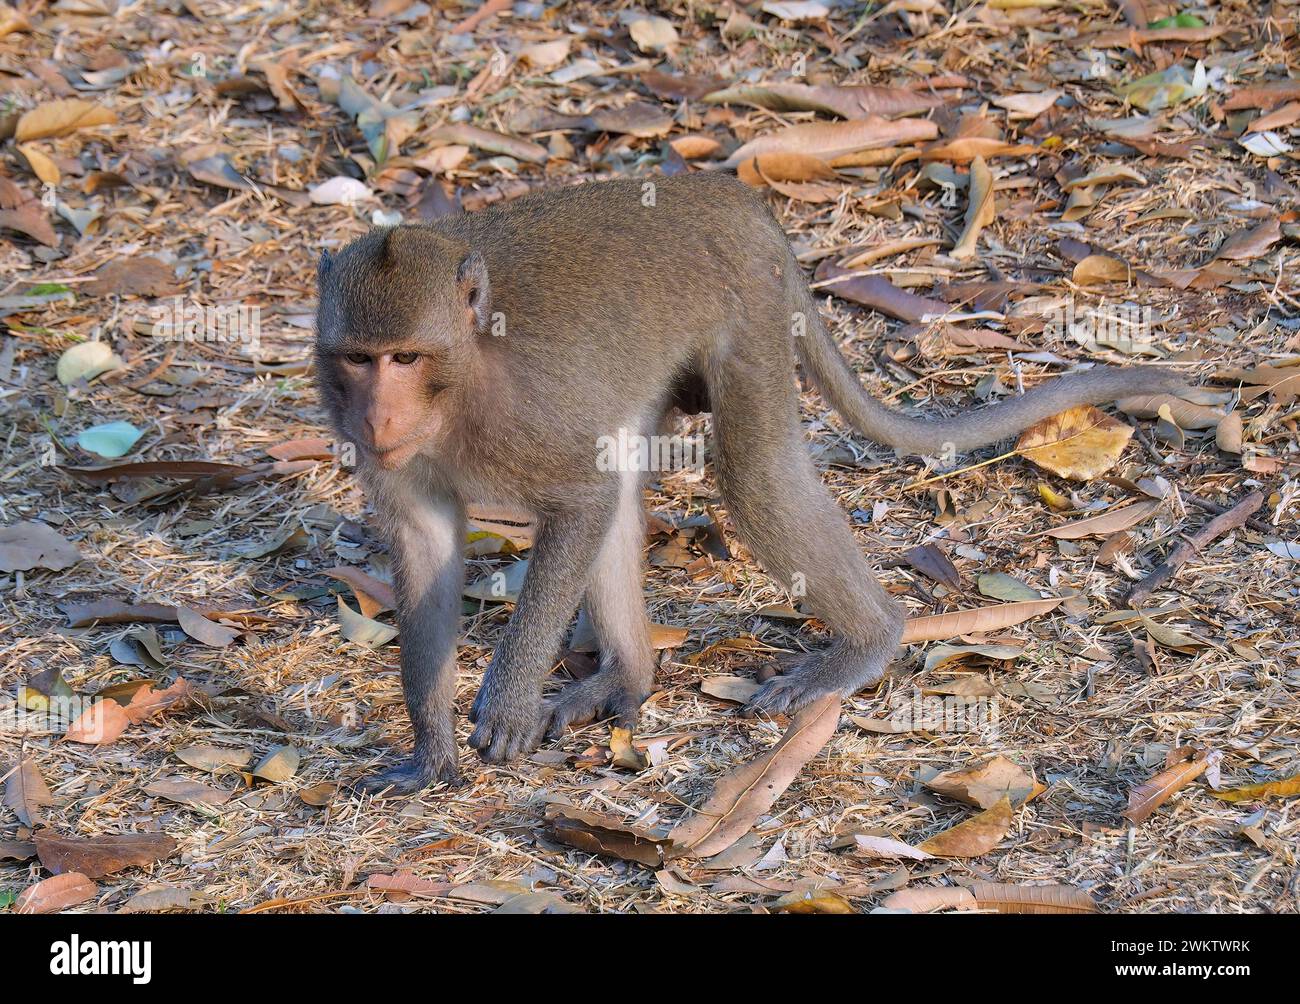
(837, 670)
(408, 777)
(604, 695)
(506, 729)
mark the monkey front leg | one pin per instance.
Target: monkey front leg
(427, 539)
(507, 711)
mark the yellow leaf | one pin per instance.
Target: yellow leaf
(1079, 444)
(1282, 788)
(973, 837)
(58, 118)
(42, 166)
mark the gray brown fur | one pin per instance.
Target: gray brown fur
(614, 311)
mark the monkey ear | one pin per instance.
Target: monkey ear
(323, 266)
(472, 282)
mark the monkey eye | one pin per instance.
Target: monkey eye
(405, 358)
(357, 358)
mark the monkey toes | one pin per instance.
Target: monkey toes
(838, 670)
(603, 695)
(408, 777)
(506, 728)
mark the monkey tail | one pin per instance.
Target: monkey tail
(840, 386)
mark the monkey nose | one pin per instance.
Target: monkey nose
(382, 431)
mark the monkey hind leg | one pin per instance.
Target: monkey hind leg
(616, 605)
(794, 528)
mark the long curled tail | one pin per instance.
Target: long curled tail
(840, 386)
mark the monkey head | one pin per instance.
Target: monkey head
(400, 315)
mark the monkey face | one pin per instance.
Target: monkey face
(397, 333)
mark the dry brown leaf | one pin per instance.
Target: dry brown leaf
(829, 140)
(1246, 245)
(975, 620)
(972, 837)
(981, 210)
(1228, 433)
(373, 596)
(101, 723)
(743, 794)
(1005, 898)
(26, 792)
(930, 899)
(964, 149)
(599, 833)
(1150, 795)
(850, 102)
(812, 901)
(96, 857)
(56, 894)
(1101, 268)
(985, 784)
(1079, 444)
(770, 167)
(1111, 521)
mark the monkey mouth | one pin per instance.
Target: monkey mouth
(393, 457)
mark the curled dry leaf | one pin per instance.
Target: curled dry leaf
(976, 620)
(972, 837)
(373, 596)
(203, 630)
(1186, 414)
(1246, 245)
(1228, 433)
(737, 689)
(829, 140)
(1281, 788)
(853, 102)
(278, 765)
(1150, 795)
(599, 833)
(1080, 444)
(58, 118)
(745, 793)
(26, 792)
(812, 901)
(623, 753)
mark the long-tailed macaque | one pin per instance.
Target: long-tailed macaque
(483, 356)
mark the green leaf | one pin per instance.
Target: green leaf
(1178, 21)
(112, 440)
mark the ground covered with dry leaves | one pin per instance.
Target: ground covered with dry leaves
(988, 193)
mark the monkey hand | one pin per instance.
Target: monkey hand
(411, 775)
(508, 719)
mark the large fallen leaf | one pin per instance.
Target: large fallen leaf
(852, 102)
(1111, 521)
(484, 139)
(1029, 105)
(1080, 444)
(278, 765)
(99, 724)
(140, 276)
(598, 833)
(972, 837)
(112, 439)
(58, 118)
(24, 546)
(1004, 898)
(96, 857)
(213, 758)
(738, 689)
(56, 894)
(186, 792)
(745, 793)
(1246, 245)
(26, 793)
(986, 784)
(975, 620)
(930, 899)
(162, 900)
(31, 219)
(1150, 795)
(878, 293)
(1281, 788)
(813, 901)
(829, 140)
(964, 149)
(981, 210)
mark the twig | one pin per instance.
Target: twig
(1192, 545)
(1210, 506)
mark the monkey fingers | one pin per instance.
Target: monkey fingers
(604, 695)
(411, 775)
